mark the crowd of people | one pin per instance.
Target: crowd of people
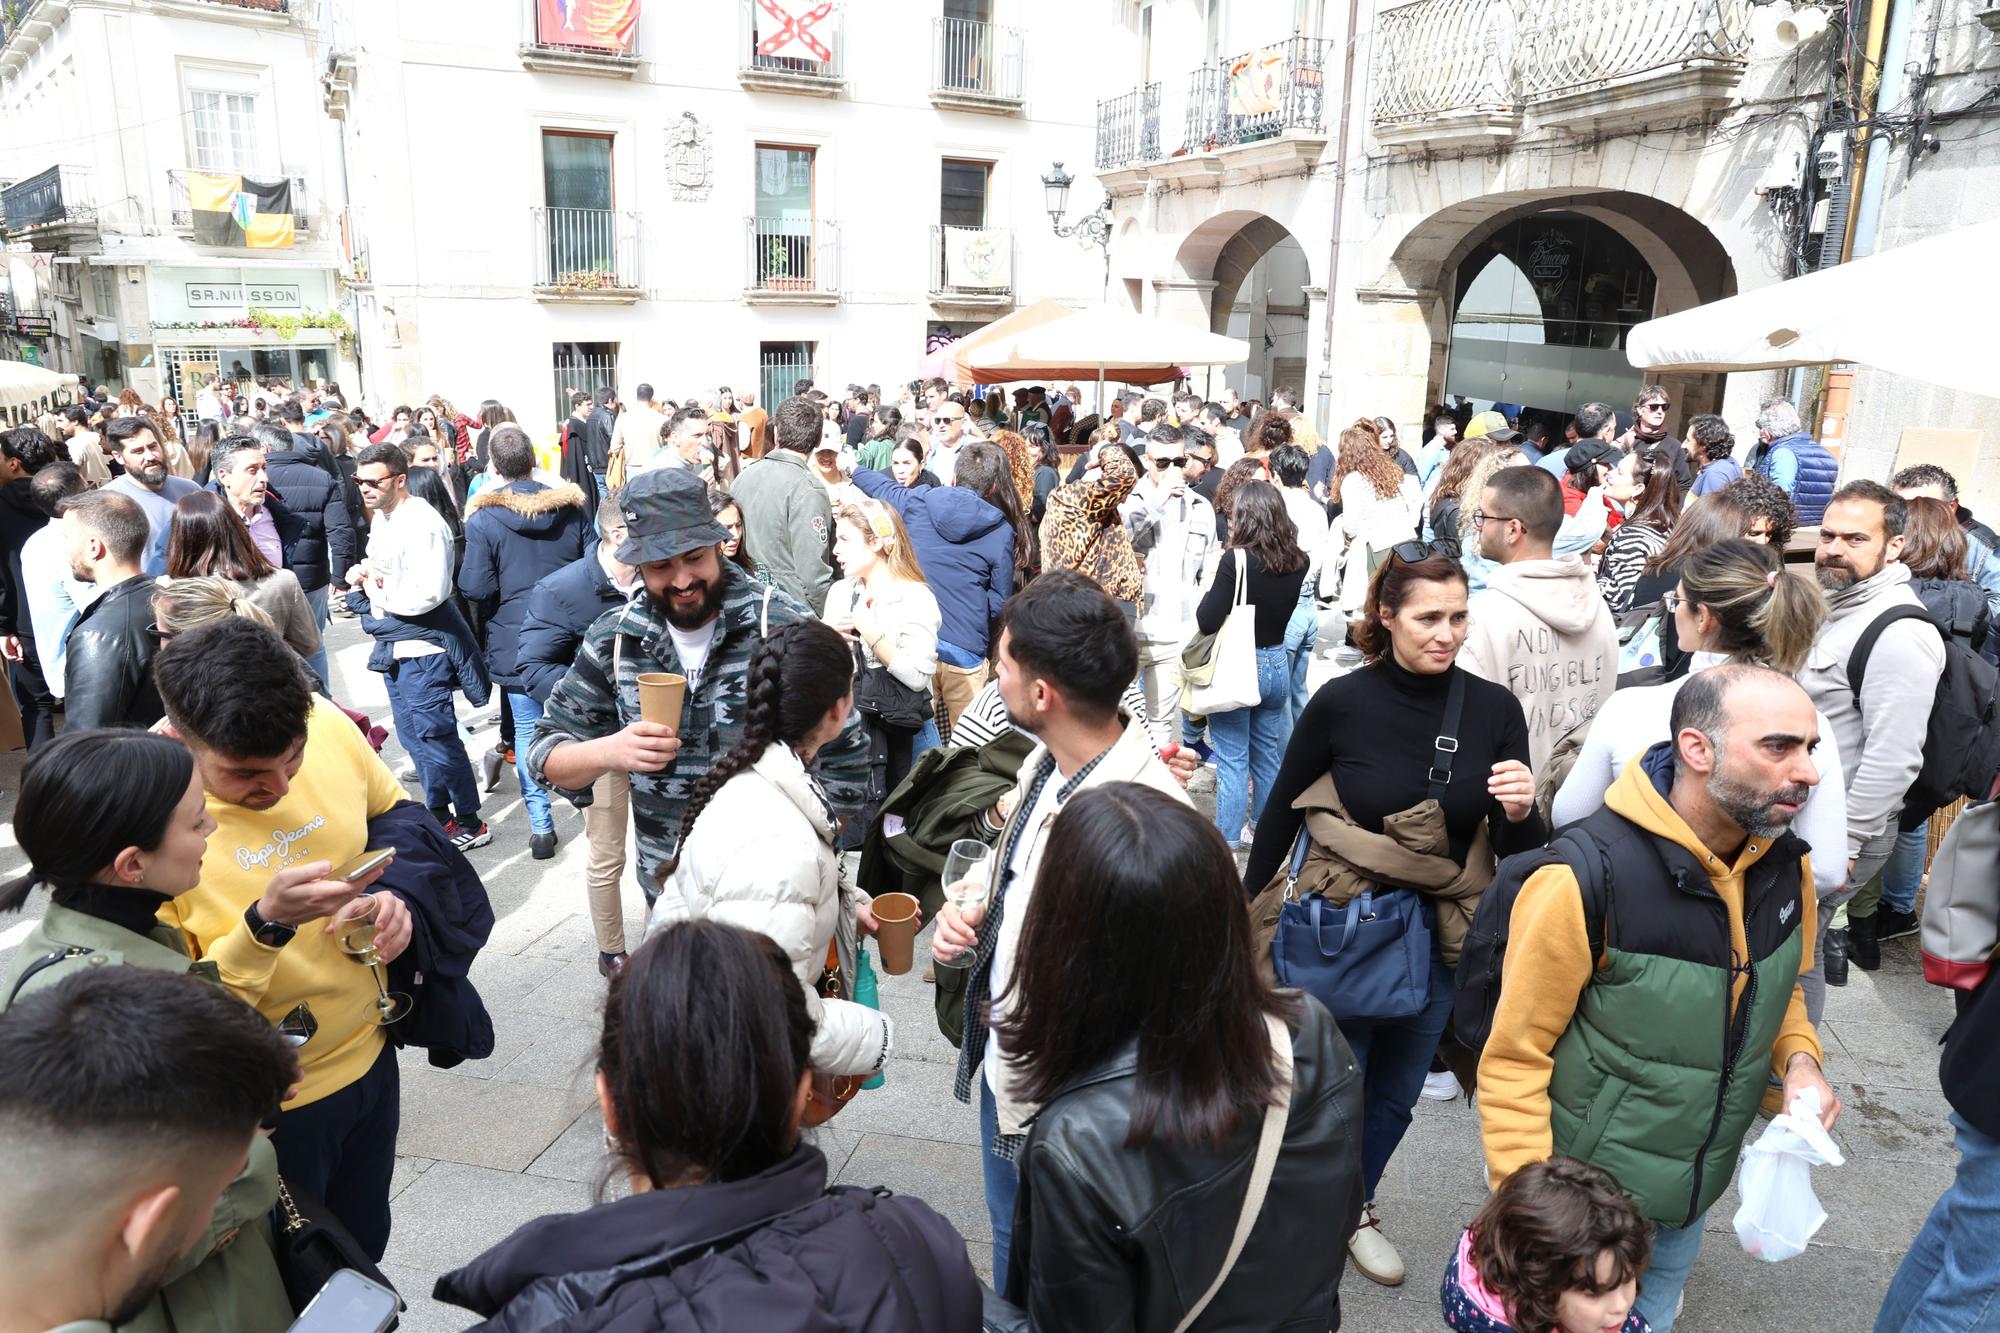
(802, 658)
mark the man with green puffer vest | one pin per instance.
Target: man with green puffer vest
(1649, 1060)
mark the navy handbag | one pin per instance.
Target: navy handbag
(1369, 960)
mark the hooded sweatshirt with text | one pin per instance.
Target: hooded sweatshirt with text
(1540, 628)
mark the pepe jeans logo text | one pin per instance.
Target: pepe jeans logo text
(280, 846)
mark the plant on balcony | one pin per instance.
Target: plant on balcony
(598, 279)
(259, 320)
(778, 269)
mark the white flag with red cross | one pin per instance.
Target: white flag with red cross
(794, 37)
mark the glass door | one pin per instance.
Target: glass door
(783, 230)
(576, 187)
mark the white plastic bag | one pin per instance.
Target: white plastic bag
(1780, 1212)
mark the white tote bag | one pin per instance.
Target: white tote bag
(1235, 683)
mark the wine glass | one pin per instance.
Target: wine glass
(354, 932)
(968, 870)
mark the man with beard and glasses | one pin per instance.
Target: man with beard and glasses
(1880, 726)
(131, 1102)
(1618, 1059)
(700, 617)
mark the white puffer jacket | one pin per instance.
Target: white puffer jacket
(761, 857)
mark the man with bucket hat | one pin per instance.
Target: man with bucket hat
(699, 617)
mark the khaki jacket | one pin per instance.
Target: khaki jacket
(1412, 852)
(228, 1282)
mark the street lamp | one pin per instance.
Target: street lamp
(1094, 228)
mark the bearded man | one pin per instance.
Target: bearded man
(699, 617)
(1619, 1059)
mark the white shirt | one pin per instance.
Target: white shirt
(409, 548)
(1018, 891)
(691, 646)
(54, 598)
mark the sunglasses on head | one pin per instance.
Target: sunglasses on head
(1413, 552)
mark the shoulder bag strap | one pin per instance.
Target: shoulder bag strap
(1857, 661)
(1447, 738)
(47, 960)
(764, 616)
(1242, 579)
(1268, 1142)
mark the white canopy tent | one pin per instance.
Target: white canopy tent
(1919, 310)
(22, 383)
(1109, 341)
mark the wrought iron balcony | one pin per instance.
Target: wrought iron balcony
(1457, 71)
(976, 66)
(181, 212)
(47, 201)
(972, 266)
(791, 261)
(586, 254)
(1128, 128)
(796, 55)
(1259, 94)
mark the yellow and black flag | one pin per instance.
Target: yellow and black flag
(237, 211)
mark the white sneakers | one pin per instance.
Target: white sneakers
(1441, 1086)
(1374, 1257)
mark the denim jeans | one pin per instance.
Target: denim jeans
(1394, 1056)
(1249, 743)
(316, 599)
(420, 690)
(1301, 635)
(1003, 1184)
(1904, 871)
(1674, 1251)
(1949, 1282)
(527, 712)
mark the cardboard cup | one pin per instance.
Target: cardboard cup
(661, 694)
(896, 914)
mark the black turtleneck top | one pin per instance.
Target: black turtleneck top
(1375, 730)
(134, 909)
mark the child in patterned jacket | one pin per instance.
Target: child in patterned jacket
(1559, 1248)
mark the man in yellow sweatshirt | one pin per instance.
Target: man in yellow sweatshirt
(292, 786)
(1650, 1060)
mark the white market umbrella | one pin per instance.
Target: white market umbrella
(23, 383)
(1107, 340)
(1921, 310)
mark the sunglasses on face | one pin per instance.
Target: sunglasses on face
(1179, 460)
(1652, 407)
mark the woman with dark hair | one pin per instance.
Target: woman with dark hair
(1249, 468)
(906, 463)
(1048, 476)
(206, 538)
(727, 513)
(207, 435)
(336, 434)
(1265, 568)
(1363, 762)
(1646, 489)
(703, 1078)
(114, 823)
(1138, 1165)
(994, 479)
(1023, 448)
(1773, 519)
(786, 882)
(1270, 430)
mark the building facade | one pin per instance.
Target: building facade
(1478, 198)
(696, 199)
(172, 196)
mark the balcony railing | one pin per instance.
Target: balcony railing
(582, 251)
(14, 14)
(799, 256)
(1467, 68)
(1579, 47)
(56, 197)
(974, 263)
(181, 212)
(1128, 128)
(559, 49)
(976, 61)
(1259, 94)
(796, 55)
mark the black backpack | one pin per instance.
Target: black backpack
(1962, 741)
(1484, 953)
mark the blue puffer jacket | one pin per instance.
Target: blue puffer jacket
(1819, 474)
(966, 548)
(560, 611)
(515, 536)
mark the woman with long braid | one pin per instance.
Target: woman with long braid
(783, 880)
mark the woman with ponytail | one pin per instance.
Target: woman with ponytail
(784, 880)
(1735, 603)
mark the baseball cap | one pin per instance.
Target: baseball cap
(1484, 424)
(666, 514)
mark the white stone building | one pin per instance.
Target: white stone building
(1477, 197)
(534, 217)
(109, 109)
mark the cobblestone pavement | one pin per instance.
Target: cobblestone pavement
(491, 1144)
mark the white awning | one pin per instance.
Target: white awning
(22, 383)
(1923, 310)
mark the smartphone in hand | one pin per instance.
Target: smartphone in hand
(350, 1303)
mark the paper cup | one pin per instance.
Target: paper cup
(896, 914)
(661, 694)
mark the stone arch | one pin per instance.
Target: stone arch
(1691, 265)
(1222, 250)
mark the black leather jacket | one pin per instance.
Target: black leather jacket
(1111, 1237)
(108, 673)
